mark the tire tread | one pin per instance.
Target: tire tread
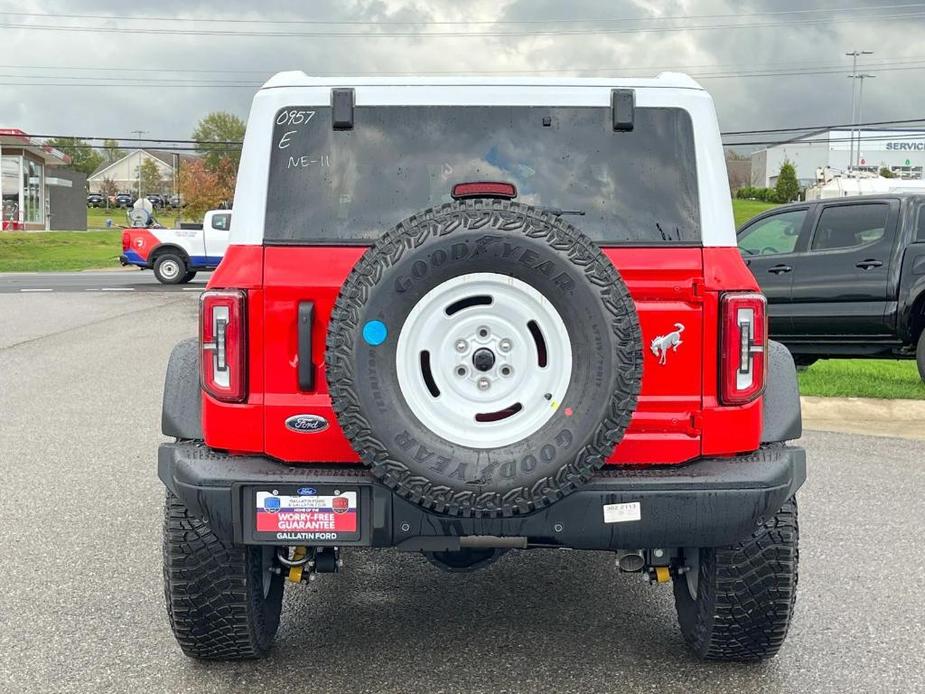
(216, 608)
(746, 595)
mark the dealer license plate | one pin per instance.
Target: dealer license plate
(306, 515)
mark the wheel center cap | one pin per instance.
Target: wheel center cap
(483, 359)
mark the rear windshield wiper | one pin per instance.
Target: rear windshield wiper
(558, 211)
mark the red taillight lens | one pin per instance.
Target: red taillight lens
(223, 344)
(744, 357)
(484, 189)
(126, 241)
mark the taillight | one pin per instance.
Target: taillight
(223, 344)
(126, 240)
(743, 361)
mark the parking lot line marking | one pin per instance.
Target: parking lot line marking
(192, 289)
(36, 290)
(117, 289)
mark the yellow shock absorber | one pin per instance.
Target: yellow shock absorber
(295, 572)
(661, 574)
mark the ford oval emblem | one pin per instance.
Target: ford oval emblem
(307, 423)
(307, 491)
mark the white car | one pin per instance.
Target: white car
(176, 255)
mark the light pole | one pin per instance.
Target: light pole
(139, 133)
(854, 69)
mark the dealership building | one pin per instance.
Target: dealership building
(37, 190)
(901, 151)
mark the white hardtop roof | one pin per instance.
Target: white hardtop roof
(665, 80)
(297, 89)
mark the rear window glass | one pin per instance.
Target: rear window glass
(350, 186)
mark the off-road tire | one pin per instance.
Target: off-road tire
(163, 268)
(370, 291)
(745, 593)
(215, 592)
(920, 355)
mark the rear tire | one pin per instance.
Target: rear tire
(920, 356)
(738, 602)
(222, 601)
(170, 268)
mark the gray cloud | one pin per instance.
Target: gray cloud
(172, 111)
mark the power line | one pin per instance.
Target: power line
(83, 81)
(199, 144)
(839, 126)
(767, 70)
(828, 140)
(469, 22)
(224, 33)
(797, 64)
(136, 139)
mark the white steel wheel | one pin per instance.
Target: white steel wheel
(483, 360)
(169, 269)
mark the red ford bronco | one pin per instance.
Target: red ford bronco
(462, 317)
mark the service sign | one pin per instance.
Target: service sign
(294, 518)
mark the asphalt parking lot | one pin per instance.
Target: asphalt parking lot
(124, 280)
(81, 604)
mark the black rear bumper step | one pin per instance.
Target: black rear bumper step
(707, 503)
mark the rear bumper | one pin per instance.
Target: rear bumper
(706, 503)
(133, 259)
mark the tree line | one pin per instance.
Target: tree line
(204, 182)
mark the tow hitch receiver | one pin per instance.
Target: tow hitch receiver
(303, 563)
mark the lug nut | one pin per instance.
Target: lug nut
(461, 345)
(505, 345)
(484, 383)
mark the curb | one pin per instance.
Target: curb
(870, 416)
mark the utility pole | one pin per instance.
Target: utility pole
(861, 77)
(139, 133)
(854, 70)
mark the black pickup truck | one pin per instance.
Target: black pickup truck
(844, 277)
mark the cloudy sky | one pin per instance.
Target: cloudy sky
(768, 63)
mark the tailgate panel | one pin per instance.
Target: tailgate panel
(666, 284)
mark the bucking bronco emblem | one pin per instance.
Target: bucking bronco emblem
(661, 344)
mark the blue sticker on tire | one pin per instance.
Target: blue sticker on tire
(375, 332)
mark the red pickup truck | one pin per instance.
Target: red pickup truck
(465, 317)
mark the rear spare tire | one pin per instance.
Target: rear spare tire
(484, 358)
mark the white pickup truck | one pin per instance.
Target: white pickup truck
(176, 255)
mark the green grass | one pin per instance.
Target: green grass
(746, 209)
(59, 250)
(97, 216)
(863, 378)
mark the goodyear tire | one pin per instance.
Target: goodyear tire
(223, 601)
(736, 602)
(484, 358)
